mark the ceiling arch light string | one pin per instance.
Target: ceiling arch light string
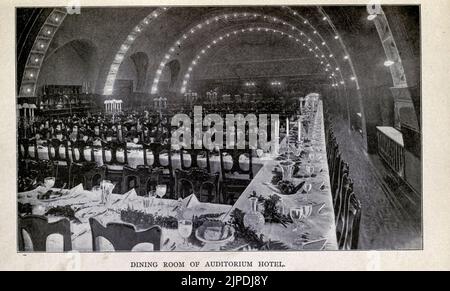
(347, 56)
(223, 37)
(39, 51)
(230, 18)
(353, 78)
(296, 15)
(125, 46)
(324, 17)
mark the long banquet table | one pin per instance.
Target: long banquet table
(135, 158)
(321, 231)
(322, 221)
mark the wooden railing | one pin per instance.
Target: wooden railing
(391, 149)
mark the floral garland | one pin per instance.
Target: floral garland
(272, 212)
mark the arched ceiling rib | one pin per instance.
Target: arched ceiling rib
(118, 59)
(38, 52)
(312, 20)
(229, 19)
(303, 45)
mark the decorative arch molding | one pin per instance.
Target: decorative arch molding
(393, 59)
(245, 16)
(317, 33)
(36, 57)
(257, 29)
(402, 95)
(120, 55)
(347, 56)
(86, 53)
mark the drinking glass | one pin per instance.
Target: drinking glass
(151, 196)
(297, 216)
(107, 188)
(287, 168)
(307, 187)
(49, 182)
(146, 203)
(311, 156)
(309, 170)
(185, 230)
(161, 190)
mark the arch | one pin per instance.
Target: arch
(120, 55)
(38, 52)
(242, 16)
(75, 62)
(304, 45)
(45, 37)
(394, 62)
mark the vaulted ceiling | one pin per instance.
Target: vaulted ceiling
(335, 46)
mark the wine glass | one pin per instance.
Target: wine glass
(309, 170)
(106, 188)
(311, 156)
(185, 230)
(146, 202)
(161, 190)
(307, 187)
(297, 216)
(151, 196)
(49, 182)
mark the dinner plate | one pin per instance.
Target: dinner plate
(199, 236)
(52, 199)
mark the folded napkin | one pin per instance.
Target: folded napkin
(130, 195)
(190, 202)
(76, 190)
(121, 203)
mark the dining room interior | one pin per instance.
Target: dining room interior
(219, 128)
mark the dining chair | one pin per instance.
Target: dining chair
(62, 162)
(142, 178)
(42, 169)
(88, 173)
(114, 167)
(336, 173)
(124, 237)
(24, 149)
(348, 236)
(348, 216)
(38, 228)
(158, 150)
(194, 155)
(78, 149)
(196, 181)
(54, 154)
(235, 179)
(113, 148)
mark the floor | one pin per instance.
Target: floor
(391, 212)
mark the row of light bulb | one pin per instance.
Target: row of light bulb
(203, 51)
(119, 57)
(46, 32)
(199, 26)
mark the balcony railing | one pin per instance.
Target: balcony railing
(391, 148)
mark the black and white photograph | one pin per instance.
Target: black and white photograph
(252, 128)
